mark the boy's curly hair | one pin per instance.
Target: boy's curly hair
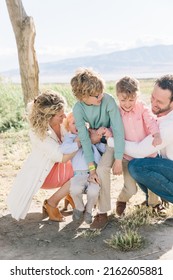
(86, 83)
(43, 108)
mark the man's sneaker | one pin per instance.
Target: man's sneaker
(77, 214)
(100, 222)
(87, 218)
(120, 207)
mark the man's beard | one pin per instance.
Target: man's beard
(161, 111)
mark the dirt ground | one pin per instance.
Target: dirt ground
(38, 239)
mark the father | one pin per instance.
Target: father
(156, 173)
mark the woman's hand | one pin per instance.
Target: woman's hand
(77, 140)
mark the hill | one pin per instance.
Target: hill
(143, 62)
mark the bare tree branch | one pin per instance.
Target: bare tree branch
(24, 31)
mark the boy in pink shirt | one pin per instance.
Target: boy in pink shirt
(138, 122)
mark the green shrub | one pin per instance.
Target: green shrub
(65, 90)
(125, 241)
(12, 109)
(129, 238)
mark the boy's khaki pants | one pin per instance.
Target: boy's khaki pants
(103, 171)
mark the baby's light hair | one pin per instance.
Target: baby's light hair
(66, 121)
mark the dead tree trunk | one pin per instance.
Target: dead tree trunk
(24, 31)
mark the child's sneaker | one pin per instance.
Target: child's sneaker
(77, 214)
(87, 218)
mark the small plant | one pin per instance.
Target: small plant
(128, 237)
(137, 218)
(126, 241)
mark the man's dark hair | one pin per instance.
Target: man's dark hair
(166, 82)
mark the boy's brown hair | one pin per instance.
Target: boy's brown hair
(86, 83)
(127, 85)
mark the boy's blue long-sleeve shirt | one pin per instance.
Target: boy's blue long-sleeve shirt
(106, 114)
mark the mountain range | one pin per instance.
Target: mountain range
(143, 62)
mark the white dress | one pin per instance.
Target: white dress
(45, 153)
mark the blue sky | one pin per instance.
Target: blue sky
(71, 28)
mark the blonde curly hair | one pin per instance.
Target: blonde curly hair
(86, 83)
(43, 108)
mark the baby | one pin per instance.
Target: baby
(79, 184)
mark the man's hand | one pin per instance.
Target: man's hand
(157, 140)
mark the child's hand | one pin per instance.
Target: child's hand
(93, 177)
(101, 131)
(108, 133)
(157, 139)
(117, 167)
(95, 138)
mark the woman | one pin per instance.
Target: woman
(46, 166)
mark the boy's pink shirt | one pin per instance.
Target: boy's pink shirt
(138, 123)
